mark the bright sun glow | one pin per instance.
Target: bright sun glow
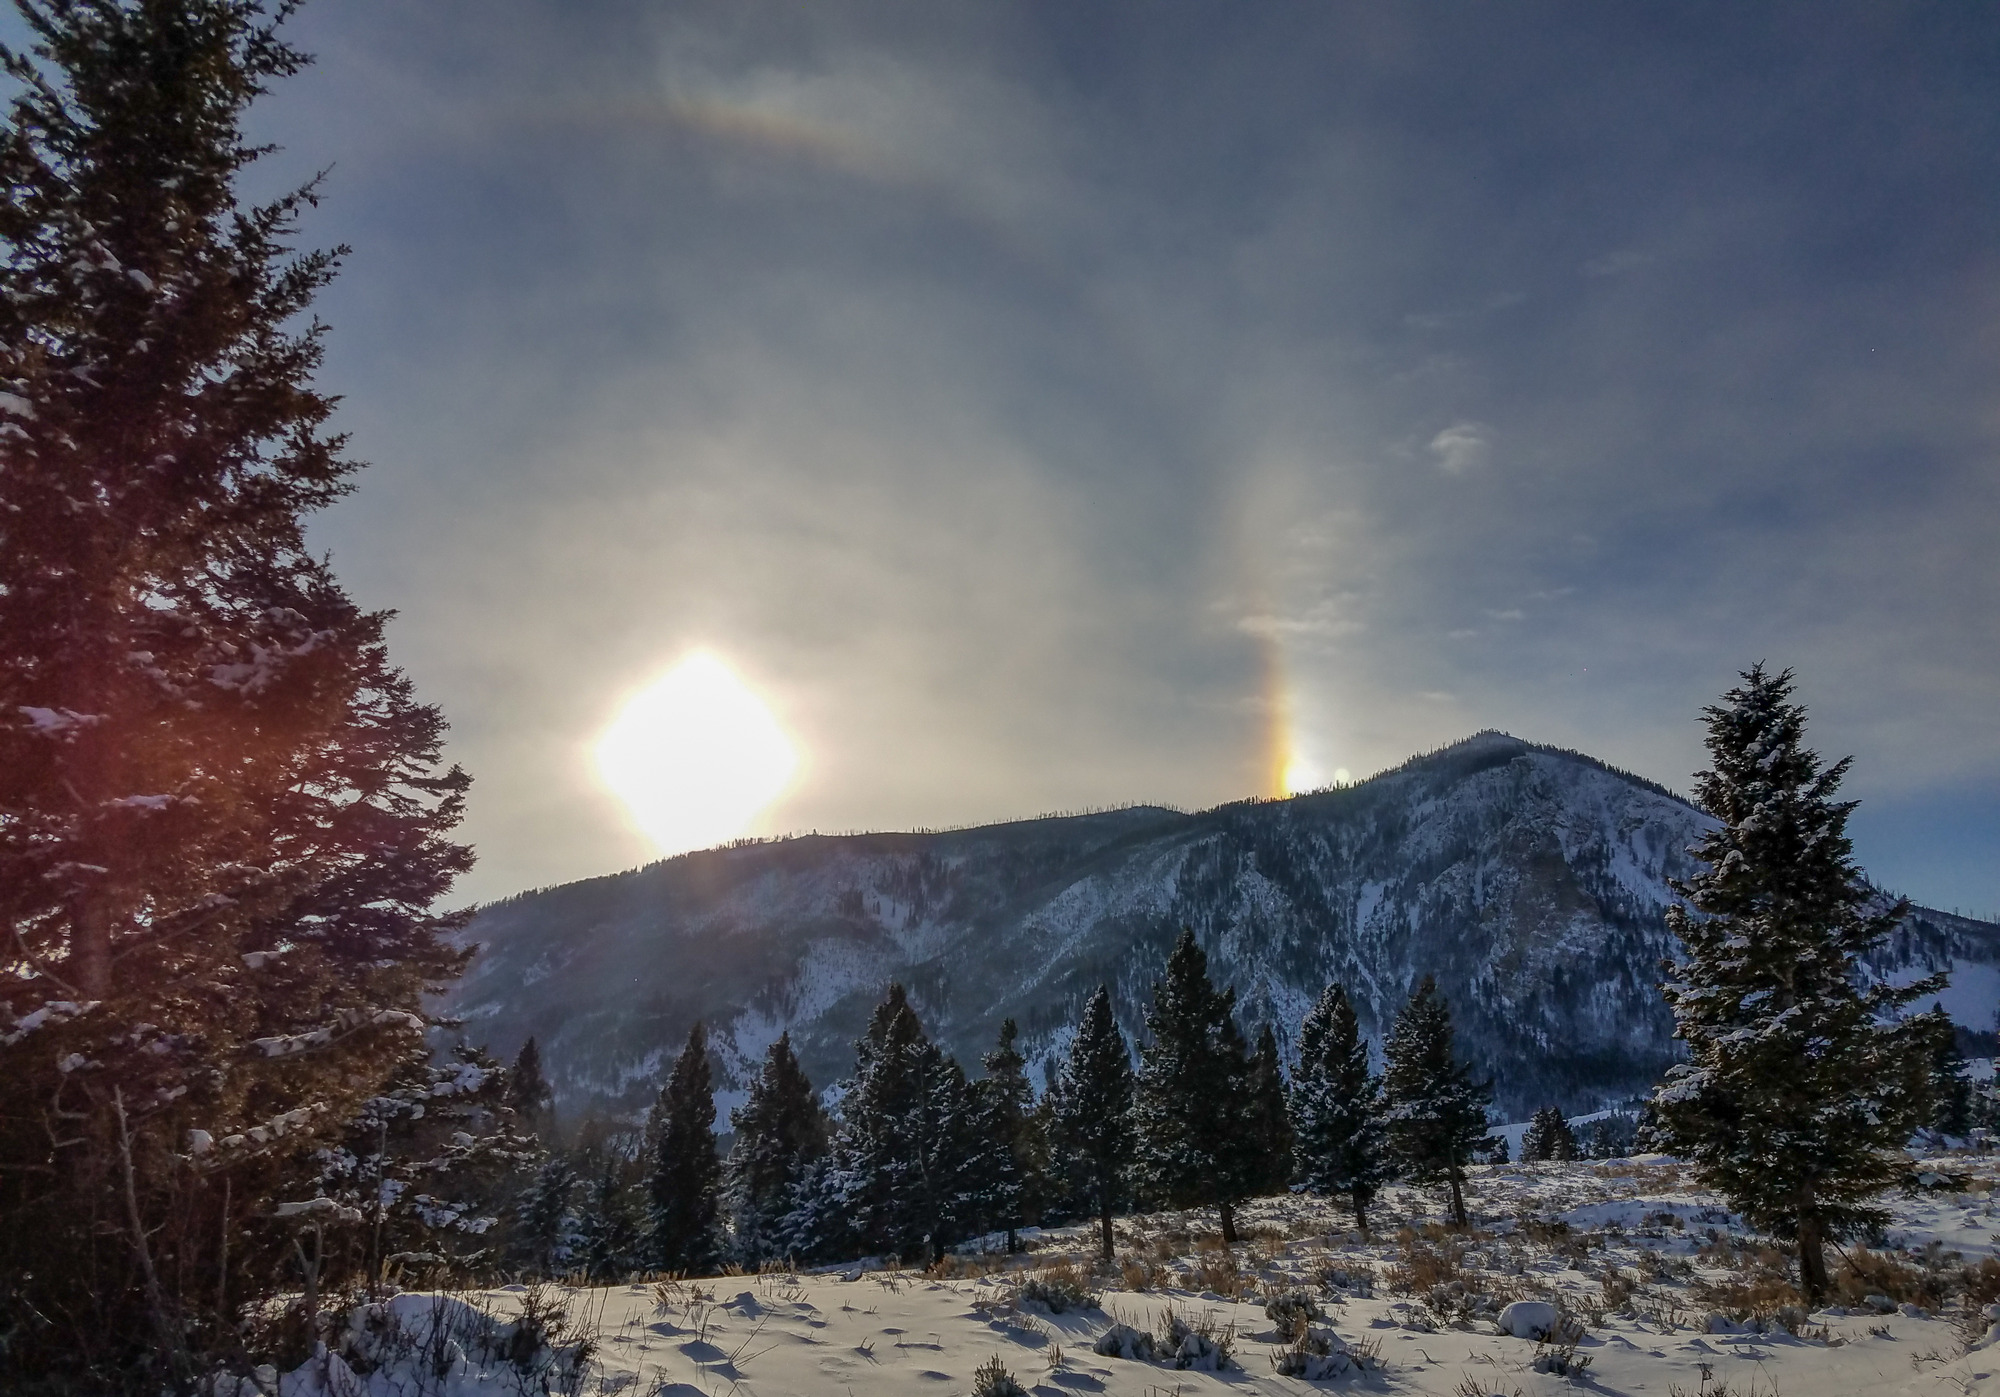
(1301, 775)
(696, 756)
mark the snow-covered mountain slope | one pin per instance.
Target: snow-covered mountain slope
(1531, 881)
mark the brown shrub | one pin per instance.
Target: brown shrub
(1981, 1283)
(1864, 1273)
(1423, 1267)
(1216, 1269)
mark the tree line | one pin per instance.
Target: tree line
(915, 1157)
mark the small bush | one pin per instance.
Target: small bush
(1123, 1341)
(991, 1379)
(1864, 1273)
(1317, 1355)
(1981, 1283)
(1423, 1268)
(1061, 1287)
(1197, 1345)
(1216, 1269)
(1137, 1273)
(1293, 1311)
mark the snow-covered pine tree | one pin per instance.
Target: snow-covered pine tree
(1339, 1134)
(546, 1235)
(1093, 1115)
(1190, 1109)
(1802, 1082)
(901, 1176)
(1548, 1137)
(223, 817)
(528, 1093)
(430, 1166)
(780, 1131)
(1013, 1157)
(1268, 1133)
(684, 1178)
(1436, 1111)
(608, 1235)
(1950, 1087)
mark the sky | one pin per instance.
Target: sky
(1047, 406)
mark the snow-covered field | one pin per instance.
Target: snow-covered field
(1654, 1287)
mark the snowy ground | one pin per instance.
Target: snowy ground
(1666, 1294)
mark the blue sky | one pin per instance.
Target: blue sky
(1049, 406)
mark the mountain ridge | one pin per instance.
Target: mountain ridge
(1532, 880)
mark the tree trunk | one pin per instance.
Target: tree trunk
(1361, 1213)
(90, 924)
(1458, 1213)
(1228, 1211)
(1104, 1229)
(1812, 1261)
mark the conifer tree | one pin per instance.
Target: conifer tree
(1012, 1156)
(1950, 1087)
(1436, 1111)
(607, 1228)
(1548, 1137)
(780, 1131)
(429, 1165)
(545, 1233)
(1093, 1114)
(223, 817)
(528, 1092)
(1268, 1135)
(684, 1184)
(902, 1174)
(1801, 1084)
(1190, 1109)
(1337, 1107)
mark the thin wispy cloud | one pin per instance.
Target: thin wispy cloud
(1015, 395)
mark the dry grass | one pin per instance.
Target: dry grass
(1138, 1273)
(1216, 1269)
(1981, 1283)
(1423, 1266)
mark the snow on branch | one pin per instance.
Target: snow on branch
(54, 1012)
(318, 1208)
(346, 1022)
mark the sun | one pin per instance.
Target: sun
(696, 756)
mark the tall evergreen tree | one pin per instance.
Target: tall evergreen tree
(1548, 1137)
(528, 1092)
(223, 816)
(1093, 1114)
(1436, 1110)
(608, 1234)
(1950, 1087)
(1802, 1084)
(1268, 1132)
(1190, 1109)
(684, 1184)
(545, 1232)
(1337, 1107)
(780, 1131)
(902, 1175)
(1012, 1156)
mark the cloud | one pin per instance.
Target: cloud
(1007, 392)
(1614, 263)
(1462, 447)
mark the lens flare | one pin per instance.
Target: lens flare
(696, 757)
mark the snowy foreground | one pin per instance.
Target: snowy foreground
(1652, 1288)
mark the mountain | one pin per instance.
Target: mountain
(1530, 880)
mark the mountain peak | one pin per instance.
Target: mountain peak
(1483, 741)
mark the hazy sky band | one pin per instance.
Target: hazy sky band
(1053, 405)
